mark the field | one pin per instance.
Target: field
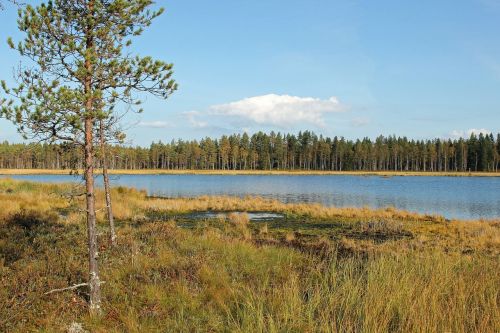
(315, 269)
(254, 172)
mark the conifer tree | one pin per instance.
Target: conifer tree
(102, 130)
(81, 70)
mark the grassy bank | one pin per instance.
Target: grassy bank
(256, 172)
(317, 269)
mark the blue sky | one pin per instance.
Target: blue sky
(422, 69)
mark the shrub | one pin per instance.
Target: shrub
(30, 219)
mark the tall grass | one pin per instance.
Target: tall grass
(165, 279)
(231, 275)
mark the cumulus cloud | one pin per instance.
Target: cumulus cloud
(465, 134)
(154, 124)
(280, 110)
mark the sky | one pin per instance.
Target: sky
(421, 69)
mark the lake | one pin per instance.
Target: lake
(452, 197)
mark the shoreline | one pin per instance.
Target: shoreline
(7, 172)
(255, 204)
(258, 204)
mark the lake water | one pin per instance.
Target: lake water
(452, 197)
(252, 216)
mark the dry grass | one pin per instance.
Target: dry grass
(227, 203)
(255, 172)
(386, 270)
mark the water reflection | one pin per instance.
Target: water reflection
(252, 216)
(453, 197)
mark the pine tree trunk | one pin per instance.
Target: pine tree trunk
(107, 190)
(94, 280)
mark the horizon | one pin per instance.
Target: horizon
(324, 166)
(338, 69)
(128, 144)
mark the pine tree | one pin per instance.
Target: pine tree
(497, 152)
(244, 150)
(224, 152)
(80, 71)
(107, 189)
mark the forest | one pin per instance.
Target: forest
(80, 257)
(274, 151)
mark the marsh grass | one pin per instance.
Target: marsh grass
(239, 223)
(227, 275)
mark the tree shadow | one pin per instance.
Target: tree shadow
(29, 220)
(28, 233)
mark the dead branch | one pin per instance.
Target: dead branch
(76, 286)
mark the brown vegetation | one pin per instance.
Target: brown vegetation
(318, 269)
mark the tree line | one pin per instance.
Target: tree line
(275, 151)
(78, 70)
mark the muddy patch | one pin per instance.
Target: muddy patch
(252, 216)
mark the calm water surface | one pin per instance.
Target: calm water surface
(453, 197)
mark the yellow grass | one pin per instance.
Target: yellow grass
(135, 206)
(340, 270)
(254, 172)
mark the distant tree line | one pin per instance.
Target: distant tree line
(276, 151)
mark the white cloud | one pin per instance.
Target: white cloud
(193, 119)
(280, 110)
(154, 124)
(466, 134)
